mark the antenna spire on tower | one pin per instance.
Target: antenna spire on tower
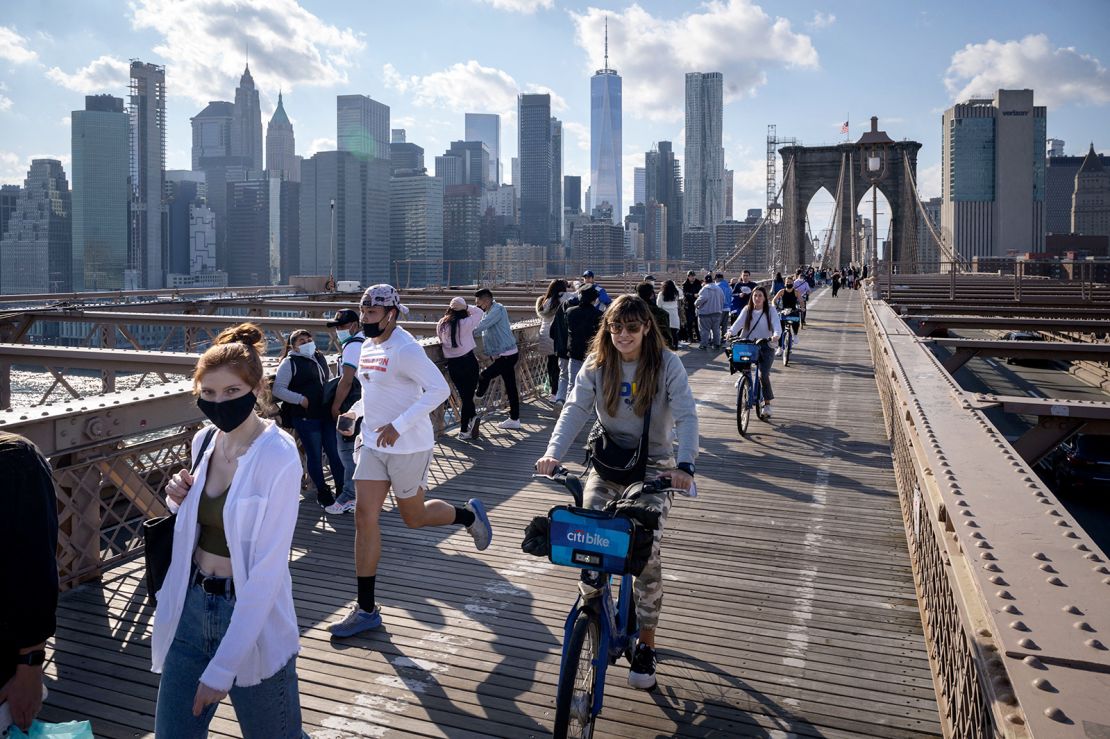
(606, 42)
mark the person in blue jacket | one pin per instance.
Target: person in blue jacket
(500, 344)
(603, 298)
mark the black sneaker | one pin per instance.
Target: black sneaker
(642, 673)
(324, 499)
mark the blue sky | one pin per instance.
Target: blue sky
(805, 65)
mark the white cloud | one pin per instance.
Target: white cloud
(321, 144)
(928, 182)
(103, 74)
(1059, 75)
(580, 132)
(13, 47)
(203, 43)
(821, 20)
(520, 6)
(466, 86)
(733, 37)
(5, 104)
(13, 166)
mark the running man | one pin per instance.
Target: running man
(400, 387)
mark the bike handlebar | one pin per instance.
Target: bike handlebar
(573, 483)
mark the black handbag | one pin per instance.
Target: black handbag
(614, 463)
(158, 538)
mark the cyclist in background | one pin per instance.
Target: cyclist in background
(787, 299)
(759, 320)
(801, 285)
(628, 356)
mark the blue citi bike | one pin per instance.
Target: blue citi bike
(743, 357)
(601, 626)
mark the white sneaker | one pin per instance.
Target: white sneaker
(509, 424)
(778, 351)
(551, 399)
(766, 411)
(338, 508)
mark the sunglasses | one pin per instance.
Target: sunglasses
(631, 327)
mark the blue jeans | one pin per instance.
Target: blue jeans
(346, 447)
(269, 710)
(318, 434)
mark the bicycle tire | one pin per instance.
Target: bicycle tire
(577, 686)
(787, 346)
(743, 404)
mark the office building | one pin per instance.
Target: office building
(486, 127)
(416, 230)
(1060, 172)
(697, 248)
(598, 245)
(246, 122)
(703, 198)
(9, 198)
(535, 151)
(928, 250)
(663, 185)
(212, 134)
(572, 194)
(185, 191)
(464, 163)
(281, 146)
(362, 127)
(605, 136)
(655, 231)
(462, 223)
(1090, 210)
(147, 109)
(99, 170)
(639, 185)
(404, 155)
(513, 262)
(264, 231)
(993, 175)
(1055, 148)
(556, 180)
(729, 177)
(36, 254)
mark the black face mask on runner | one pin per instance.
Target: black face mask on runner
(374, 330)
(229, 414)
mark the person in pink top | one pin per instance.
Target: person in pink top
(456, 337)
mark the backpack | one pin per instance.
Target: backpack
(332, 385)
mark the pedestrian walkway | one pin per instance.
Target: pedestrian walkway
(789, 607)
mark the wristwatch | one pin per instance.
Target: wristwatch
(686, 467)
(32, 659)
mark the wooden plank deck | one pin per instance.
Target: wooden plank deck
(789, 610)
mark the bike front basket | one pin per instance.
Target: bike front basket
(792, 318)
(590, 540)
(744, 352)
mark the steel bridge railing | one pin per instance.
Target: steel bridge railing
(1014, 597)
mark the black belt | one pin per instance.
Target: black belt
(214, 585)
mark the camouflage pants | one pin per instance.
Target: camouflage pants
(648, 587)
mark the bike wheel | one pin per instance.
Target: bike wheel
(786, 347)
(574, 700)
(743, 404)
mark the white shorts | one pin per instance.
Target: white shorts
(407, 473)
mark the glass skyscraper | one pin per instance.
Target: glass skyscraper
(486, 127)
(100, 194)
(146, 253)
(362, 126)
(605, 137)
(704, 199)
(535, 151)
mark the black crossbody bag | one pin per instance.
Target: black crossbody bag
(614, 463)
(158, 537)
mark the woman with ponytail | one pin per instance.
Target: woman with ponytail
(456, 338)
(225, 624)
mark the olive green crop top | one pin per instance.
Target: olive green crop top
(210, 517)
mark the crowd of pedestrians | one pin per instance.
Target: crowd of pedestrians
(225, 622)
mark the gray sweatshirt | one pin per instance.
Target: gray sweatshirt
(673, 413)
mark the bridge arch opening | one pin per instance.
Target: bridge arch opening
(862, 251)
(819, 214)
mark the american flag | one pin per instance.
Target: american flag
(844, 127)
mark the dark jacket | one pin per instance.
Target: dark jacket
(560, 333)
(582, 323)
(29, 568)
(309, 381)
(661, 318)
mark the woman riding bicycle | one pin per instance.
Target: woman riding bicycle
(787, 299)
(759, 321)
(629, 355)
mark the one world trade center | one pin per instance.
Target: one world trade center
(605, 136)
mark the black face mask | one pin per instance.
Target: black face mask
(374, 330)
(229, 414)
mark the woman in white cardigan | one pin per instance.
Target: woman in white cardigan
(225, 623)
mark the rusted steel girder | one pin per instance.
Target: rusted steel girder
(1030, 589)
(939, 325)
(964, 350)
(1057, 419)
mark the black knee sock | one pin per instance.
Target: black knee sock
(366, 593)
(463, 516)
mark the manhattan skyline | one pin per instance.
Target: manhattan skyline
(804, 66)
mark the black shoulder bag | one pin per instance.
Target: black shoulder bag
(612, 462)
(158, 537)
